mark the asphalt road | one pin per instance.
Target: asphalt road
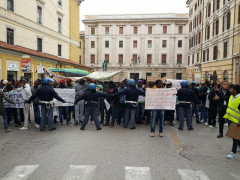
(116, 154)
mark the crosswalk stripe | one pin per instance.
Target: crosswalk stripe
(20, 172)
(192, 175)
(79, 172)
(137, 173)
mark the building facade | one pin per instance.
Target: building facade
(140, 45)
(42, 32)
(213, 40)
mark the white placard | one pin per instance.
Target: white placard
(161, 99)
(175, 83)
(15, 97)
(67, 94)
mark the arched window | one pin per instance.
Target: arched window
(225, 75)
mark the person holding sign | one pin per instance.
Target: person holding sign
(233, 116)
(2, 110)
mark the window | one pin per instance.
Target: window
(80, 59)
(197, 57)
(164, 58)
(10, 5)
(149, 59)
(134, 44)
(106, 30)
(10, 36)
(107, 58)
(207, 32)
(149, 29)
(164, 43)
(135, 31)
(179, 76)
(164, 29)
(106, 44)
(59, 25)
(92, 58)
(239, 14)
(204, 55)
(193, 59)
(80, 44)
(39, 14)
(179, 43)
(180, 29)
(207, 55)
(92, 44)
(120, 58)
(120, 44)
(39, 44)
(188, 60)
(60, 2)
(215, 27)
(209, 10)
(59, 50)
(134, 58)
(226, 21)
(225, 49)
(216, 4)
(163, 75)
(148, 74)
(92, 31)
(149, 43)
(179, 59)
(120, 30)
(215, 53)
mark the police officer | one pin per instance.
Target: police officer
(91, 97)
(132, 94)
(46, 94)
(186, 97)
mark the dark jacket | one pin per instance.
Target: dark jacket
(91, 98)
(3, 96)
(197, 97)
(112, 99)
(187, 95)
(212, 102)
(132, 94)
(203, 93)
(36, 100)
(46, 93)
(224, 98)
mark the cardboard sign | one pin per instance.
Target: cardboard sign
(161, 99)
(67, 94)
(15, 97)
(233, 131)
(153, 78)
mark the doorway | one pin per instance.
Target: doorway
(134, 76)
(11, 75)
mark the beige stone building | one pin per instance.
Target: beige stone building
(213, 37)
(140, 45)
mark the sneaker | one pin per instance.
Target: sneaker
(23, 128)
(174, 122)
(190, 129)
(180, 129)
(210, 126)
(92, 122)
(206, 123)
(37, 126)
(226, 124)
(82, 129)
(132, 128)
(52, 129)
(7, 130)
(99, 129)
(201, 121)
(220, 136)
(232, 156)
(160, 135)
(111, 126)
(69, 124)
(238, 148)
(152, 134)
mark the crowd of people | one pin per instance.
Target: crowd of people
(110, 104)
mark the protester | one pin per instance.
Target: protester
(141, 104)
(169, 114)
(204, 90)
(213, 99)
(121, 104)
(36, 106)
(196, 102)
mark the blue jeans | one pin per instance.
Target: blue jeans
(155, 115)
(4, 115)
(93, 112)
(46, 117)
(103, 110)
(204, 112)
(195, 111)
(182, 113)
(36, 113)
(65, 110)
(113, 112)
(121, 112)
(140, 112)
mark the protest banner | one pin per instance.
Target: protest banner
(15, 97)
(175, 83)
(67, 94)
(160, 99)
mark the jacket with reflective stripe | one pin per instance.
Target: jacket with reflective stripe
(233, 113)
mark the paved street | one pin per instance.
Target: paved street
(116, 154)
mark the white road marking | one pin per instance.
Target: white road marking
(20, 172)
(192, 175)
(76, 172)
(137, 173)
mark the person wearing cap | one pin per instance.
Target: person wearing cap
(91, 97)
(25, 89)
(46, 94)
(196, 102)
(132, 95)
(186, 97)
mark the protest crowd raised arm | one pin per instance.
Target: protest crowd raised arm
(128, 103)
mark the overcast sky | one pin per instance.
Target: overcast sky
(95, 7)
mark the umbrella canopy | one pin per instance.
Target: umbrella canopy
(71, 71)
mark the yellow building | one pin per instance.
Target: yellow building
(44, 36)
(212, 39)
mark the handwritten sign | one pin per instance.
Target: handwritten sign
(15, 97)
(175, 83)
(67, 94)
(161, 99)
